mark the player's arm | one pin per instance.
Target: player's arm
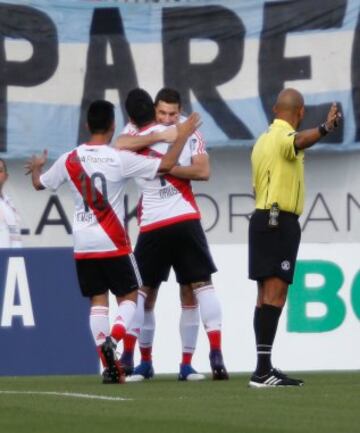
(308, 137)
(184, 130)
(34, 166)
(139, 142)
(198, 170)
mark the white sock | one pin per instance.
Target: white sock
(99, 323)
(189, 327)
(147, 331)
(210, 309)
(125, 313)
(138, 318)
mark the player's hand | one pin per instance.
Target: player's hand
(169, 135)
(333, 117)
(36, 162)
(190, 125)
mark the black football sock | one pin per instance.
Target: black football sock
(266, 319)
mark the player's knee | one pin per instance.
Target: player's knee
(187, 296)
(149, 305)
(274, 292)
(151, 296)
(200, 284)
(132, 296)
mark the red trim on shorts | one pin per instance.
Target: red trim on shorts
(169, 221)
(106, 217)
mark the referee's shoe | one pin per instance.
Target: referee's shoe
(274, 378)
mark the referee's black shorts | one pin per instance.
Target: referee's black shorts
(182, 246)
(273, 251)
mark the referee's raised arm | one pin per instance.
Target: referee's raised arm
(290, 107)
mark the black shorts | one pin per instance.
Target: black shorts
(119, 274)
(273, 251)
(182, 246)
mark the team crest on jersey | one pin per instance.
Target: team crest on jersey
(285, 265)
(193, 143)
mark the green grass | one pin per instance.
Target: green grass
(328, 403)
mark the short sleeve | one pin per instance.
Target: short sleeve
(56, 175)
(197, 144)
(135, 165)
(287, 148)
(129, 129)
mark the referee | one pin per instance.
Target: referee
(274, 232)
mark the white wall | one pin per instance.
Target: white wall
(330, 179)
(335, 349)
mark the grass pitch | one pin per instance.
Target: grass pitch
(328, 403)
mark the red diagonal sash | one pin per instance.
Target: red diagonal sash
(105, 216)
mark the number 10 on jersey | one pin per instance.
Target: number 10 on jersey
(94, 198)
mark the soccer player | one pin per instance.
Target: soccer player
(10, 233)
(97, 174)
(171, 236)
(274, 233)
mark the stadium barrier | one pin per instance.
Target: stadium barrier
(44, 320)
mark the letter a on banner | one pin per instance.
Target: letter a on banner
(16, 279)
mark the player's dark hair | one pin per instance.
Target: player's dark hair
(140, 107)
(168, 95)
(100, 117)
(4, 164)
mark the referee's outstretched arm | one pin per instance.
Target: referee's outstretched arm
(290, 107)
(308, 137)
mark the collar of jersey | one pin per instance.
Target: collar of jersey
(282, 124)
(95, 144)
(148, 126)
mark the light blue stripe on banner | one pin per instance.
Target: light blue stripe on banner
(33, 127)
(142, 22)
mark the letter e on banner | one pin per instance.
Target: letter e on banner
(16, 279)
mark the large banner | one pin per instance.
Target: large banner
(228, 59)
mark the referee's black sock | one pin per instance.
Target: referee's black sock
(266, 319)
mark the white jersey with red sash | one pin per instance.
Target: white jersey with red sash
(97, 175)
(166, 199)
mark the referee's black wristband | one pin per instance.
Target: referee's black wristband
(323, 129)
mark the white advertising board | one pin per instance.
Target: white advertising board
(318, 329)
